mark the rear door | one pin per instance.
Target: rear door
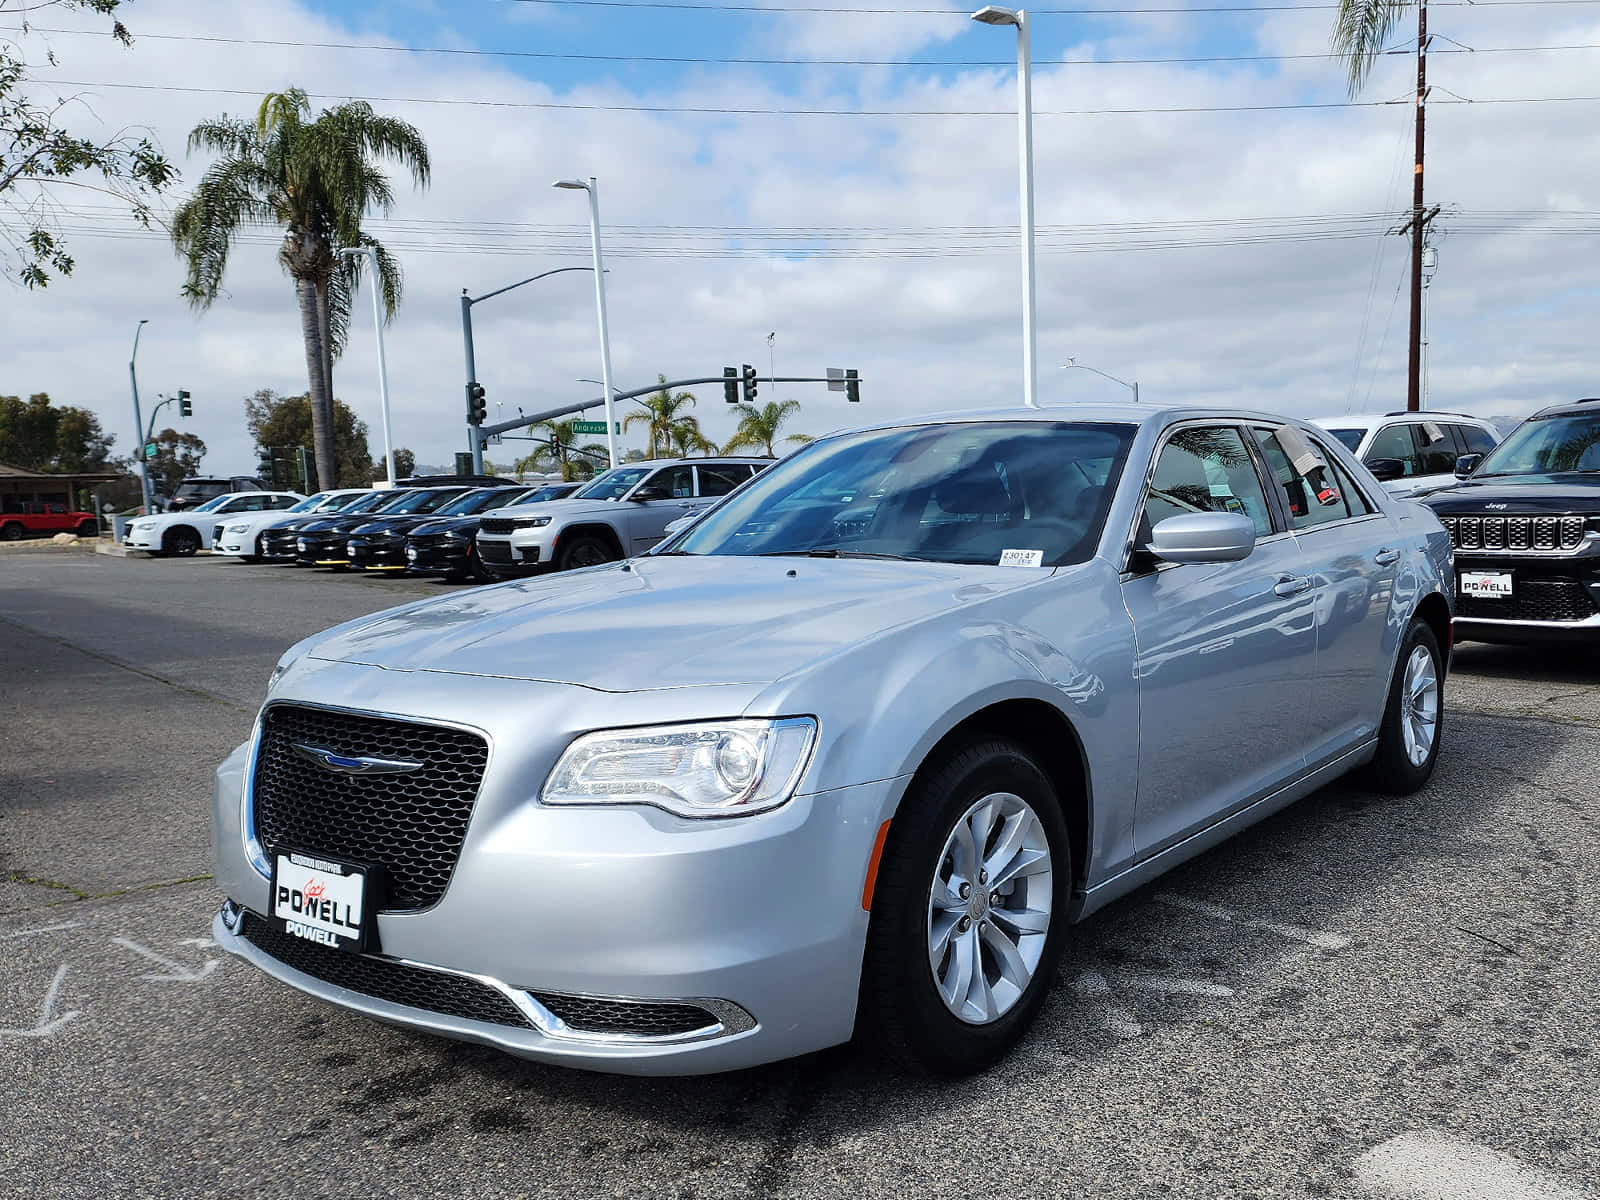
(1225, 651)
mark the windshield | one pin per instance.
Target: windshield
(1542, 445)
(339, 503)
(310, 504)
(215, 503)
(370, 502)
(1033, 492)
(421, 501)
(613, 485)
(477, 501)
(540, 494)
(1350, 437)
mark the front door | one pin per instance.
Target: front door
(647, 519)
(1225, 652)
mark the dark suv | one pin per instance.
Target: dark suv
(1525, 522)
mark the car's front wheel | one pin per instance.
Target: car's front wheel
(1413, 719)
(584, 550)
(181, 541)
(968, 911)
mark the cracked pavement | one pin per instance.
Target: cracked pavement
(1272, 1018)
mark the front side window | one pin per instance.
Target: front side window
(1033, 492)
(676, 482)
(215, 504)
(1542, 445)
(1394, 441)
(1476, 439)
(1207, 469)
(1311, 491)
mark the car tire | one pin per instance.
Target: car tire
(584, 550)
(88, 529)
(11, 531)
(916, 903)
(260, 551)
(181, 541)
(1413, 717)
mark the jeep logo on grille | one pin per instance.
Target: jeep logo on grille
(355, 765)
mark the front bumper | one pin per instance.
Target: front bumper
(321, 549)
(1555, 598)
(758, 915)
(438, 557)
(505, 554)
(388, 555)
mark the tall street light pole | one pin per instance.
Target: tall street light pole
(593, 188)
(994, 15)
(1073, 364)
(371, 255)
(138, 420)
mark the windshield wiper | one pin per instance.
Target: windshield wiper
(836, 552)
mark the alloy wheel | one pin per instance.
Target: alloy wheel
(1419, 700)
(989, 908)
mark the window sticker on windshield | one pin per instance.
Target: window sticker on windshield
(1022, 558)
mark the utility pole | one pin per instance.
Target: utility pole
(1419, 220)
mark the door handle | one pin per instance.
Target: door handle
(1386, 557)
(1292, 585)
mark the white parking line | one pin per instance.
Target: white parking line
(22, 933)
(1438, 1166)
(1319, 938)
(1182, 987)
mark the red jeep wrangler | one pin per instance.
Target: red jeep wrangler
(43, 520)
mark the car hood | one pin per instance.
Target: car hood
(334, 524)
(562, 508)
(446, 524)
(666, 622)
(1566, 492)
(390, 524)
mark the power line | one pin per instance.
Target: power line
(709, 110)
(553, 55)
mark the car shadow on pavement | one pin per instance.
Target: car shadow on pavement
(1529, 664)
(1209, 944)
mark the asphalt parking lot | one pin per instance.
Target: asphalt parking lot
(1362, 996)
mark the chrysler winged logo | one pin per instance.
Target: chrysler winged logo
(354, 765)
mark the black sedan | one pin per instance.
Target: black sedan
(380, 544)
(280, 540)
(322, 543)
(447, 544)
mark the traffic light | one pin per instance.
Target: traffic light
(852, 386)
(185, 409)
(556, 449)
(749, 384)
(730, 384)
(477, 407)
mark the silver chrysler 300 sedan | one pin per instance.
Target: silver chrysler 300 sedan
(848, 755)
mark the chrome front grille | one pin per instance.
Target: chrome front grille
(410, 825)
(1515, 533)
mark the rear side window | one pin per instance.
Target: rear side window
(1350, 437)
(1395, 441)
(1314, 497)
(282, 502)
(677, 482)
(722, 478)
(1478, 441)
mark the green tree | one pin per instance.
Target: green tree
(684, 438)
(41, 158)
(177, 457)
(661, 412)
(570, 465)
(40, 436)
(759, 427)
(286, 422)
(405, 464)
(316, 179)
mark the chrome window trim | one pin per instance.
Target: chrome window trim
(256, 853)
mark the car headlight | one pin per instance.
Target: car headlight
(239, 528)
(284, 664)
(532, 522)
(707, 769)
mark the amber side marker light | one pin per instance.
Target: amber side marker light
(872, 866)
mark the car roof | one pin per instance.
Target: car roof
(1369, 419)
(1106, 414)
(703, 460)
(1571, 408)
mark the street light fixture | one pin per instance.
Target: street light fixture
(592, 186)
(138, 421)
(371, 255)
(994, 15)
(1073, 364)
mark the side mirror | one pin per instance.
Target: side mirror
(1211, 537)
(1467, 464)
(1386, 469)
(648, 491)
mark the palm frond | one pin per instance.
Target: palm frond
(1359, 33)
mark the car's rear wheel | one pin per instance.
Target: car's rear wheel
(1413, 719)
(584, 550)
(181, 541)
(968, 911)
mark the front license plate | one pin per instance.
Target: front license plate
(1486, 585)
(322, 900)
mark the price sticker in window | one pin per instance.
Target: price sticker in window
(1022, 558)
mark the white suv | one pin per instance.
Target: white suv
(623, 512)
(1412, 453)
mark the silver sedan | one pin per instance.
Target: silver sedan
(847, 756)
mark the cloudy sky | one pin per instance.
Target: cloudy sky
(1212, 215)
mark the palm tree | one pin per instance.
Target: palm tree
(661, 409)
(1360, 31)
(760, 426)
(316, 180)
(571, 465)
(685, 438)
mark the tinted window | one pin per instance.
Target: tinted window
(1438, 452)
(958, 493)
(1395, 441)
(287, 502)
(677, 482)
(1207, 469)
(1350, 437)
(721, 479)
(1477, 441)
(1559, 443)
(1359, 507)
(477, 501)
(1313, 498)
